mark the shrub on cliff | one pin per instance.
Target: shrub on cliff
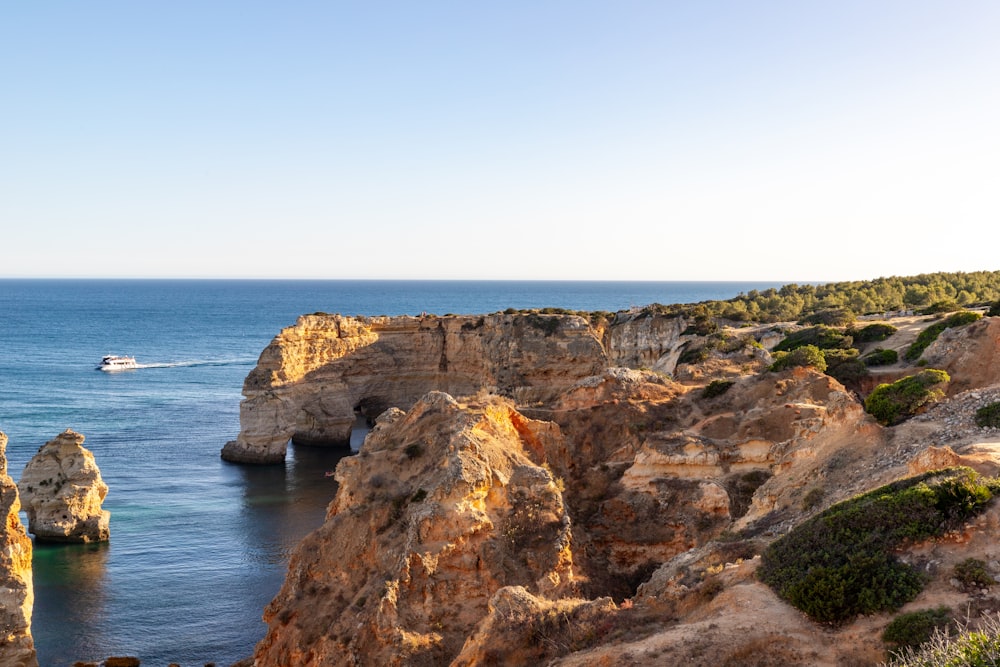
(547, 324)
(916, 627)
(931, 333)
(872, 333)
(892, 403)
(823, 337)
(834, 317)
(807, 355)
(972, 574)
(988, 416)
(979, 647)
(840, 563)
(844, 365)
(717, 388)
(943, 306)
(880, 357)
(701, 325)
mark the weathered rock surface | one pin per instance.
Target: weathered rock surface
(62, 491)
(441, 508)
(970, 354)
(16, 593)
(317, 377)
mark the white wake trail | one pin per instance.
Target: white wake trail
(198, 362)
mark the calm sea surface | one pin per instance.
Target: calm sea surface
(198, 546)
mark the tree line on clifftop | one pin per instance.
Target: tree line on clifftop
(835, 303)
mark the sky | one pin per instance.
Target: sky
(800, 141)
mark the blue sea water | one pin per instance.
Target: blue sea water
(198, 546)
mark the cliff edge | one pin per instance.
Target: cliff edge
(317, 378)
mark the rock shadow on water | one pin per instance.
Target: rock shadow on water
(283, 503)
(71, 593)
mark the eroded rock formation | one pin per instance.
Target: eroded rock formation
(442, 507)
(317, 377)
(62, 491)
(970, 354)
(16, 593)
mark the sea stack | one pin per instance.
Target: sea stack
(62, 491)
(16, 594)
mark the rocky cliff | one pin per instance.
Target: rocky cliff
(16, 593)
(612, 515)
(62, 492)
(442, 507)
(318, 377)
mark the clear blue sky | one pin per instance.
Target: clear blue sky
(789, 141)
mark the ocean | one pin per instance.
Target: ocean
(198, 546)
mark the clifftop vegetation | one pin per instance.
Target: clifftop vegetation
(931, 292)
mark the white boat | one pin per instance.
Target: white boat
(112, 362)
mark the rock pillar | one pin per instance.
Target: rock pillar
(62, 491)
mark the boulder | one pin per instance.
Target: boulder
(62, 491)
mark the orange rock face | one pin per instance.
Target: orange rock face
(16, 593)
(441, 508)
(316, 378)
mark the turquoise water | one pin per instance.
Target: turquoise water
(198, 546)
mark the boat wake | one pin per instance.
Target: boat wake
(200, 362)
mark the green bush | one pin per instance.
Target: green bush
(988, 416)
(840, 563)
(693, 353)
(807, 355)
(835, 317)
(813, 498)
(717, 388)
(931, 333)
(702, 325)
(844, 365)
(880, 357)
(994, 309)
(547, 324)
(823, 337)
(945, 306)
(967, 648)
(916, 627)
(872, 333)
(972, 574)
(892, 403)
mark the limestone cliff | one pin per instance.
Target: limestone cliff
(16, 593)
(62, 492)
(970, 354)
(317, 377)
(440, 509)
